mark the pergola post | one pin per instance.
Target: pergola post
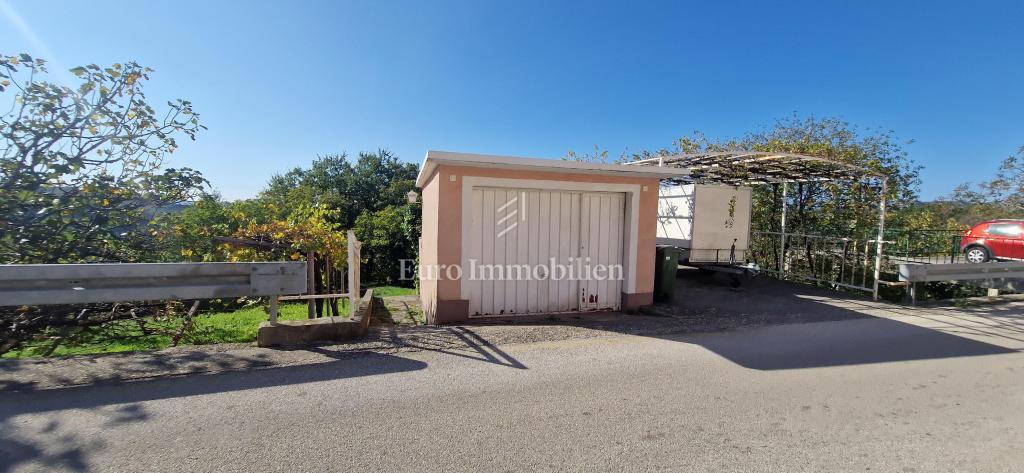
(879, 241)
(782, 238)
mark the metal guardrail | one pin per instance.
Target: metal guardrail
(915, 273)
(41, 284)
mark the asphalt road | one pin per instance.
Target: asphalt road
(901, 392)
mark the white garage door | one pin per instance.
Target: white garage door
(520, 230)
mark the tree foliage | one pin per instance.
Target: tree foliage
(389, 235)
(825, 208)
(371, 183)
(81, 169)
(81, 175)
(1000, 197)
(307, 229)
(367, 195)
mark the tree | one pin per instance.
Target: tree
(308, 229)
(388, 235)
(373, 182)
(369, 196)
(189, 235)
(81, 169)
(1000, 197)
(824, 208)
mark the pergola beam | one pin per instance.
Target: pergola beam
(734, 167)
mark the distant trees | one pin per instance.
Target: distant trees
(1000, 197)
(368, 195)
(309, 209)
(371, 183)
(81, 168)
(825, 208)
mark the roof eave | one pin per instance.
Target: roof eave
(436, 158)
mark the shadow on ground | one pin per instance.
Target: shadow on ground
(706, 310)
(85, 397)
(121, 403)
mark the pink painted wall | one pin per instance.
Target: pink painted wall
(428, 243)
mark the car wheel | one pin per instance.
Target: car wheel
(976, 254)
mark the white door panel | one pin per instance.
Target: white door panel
(519, 230)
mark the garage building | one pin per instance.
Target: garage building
(506, 236)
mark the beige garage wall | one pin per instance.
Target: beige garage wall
(442, 224)
(428, 244)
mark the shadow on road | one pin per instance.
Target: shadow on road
(87, 397)
(120, 403)
(829, 344)
(458, 341)
(871, 332)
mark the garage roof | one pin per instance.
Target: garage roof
(757, 167)
(435, 158)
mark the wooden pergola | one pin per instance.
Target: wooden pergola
(747, 168)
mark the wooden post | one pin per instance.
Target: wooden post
(353, 273)
(336, 288)
(311, 283)
(273, 309)
(318, 278)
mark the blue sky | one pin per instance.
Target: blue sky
(280, 82)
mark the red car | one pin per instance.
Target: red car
(994, 240)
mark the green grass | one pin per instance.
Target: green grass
(392, 291)
(239, 326)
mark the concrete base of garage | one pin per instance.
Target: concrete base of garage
(328, 329)
(450, 312)
(632, 303)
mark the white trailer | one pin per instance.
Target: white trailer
(711, 223)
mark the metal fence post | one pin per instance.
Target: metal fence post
(881, 239)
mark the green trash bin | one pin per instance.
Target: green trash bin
(665, 272)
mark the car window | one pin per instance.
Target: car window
(1004, 229)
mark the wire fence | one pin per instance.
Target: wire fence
(929, 246)
(953, 246)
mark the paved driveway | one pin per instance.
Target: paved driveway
(900, 390)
